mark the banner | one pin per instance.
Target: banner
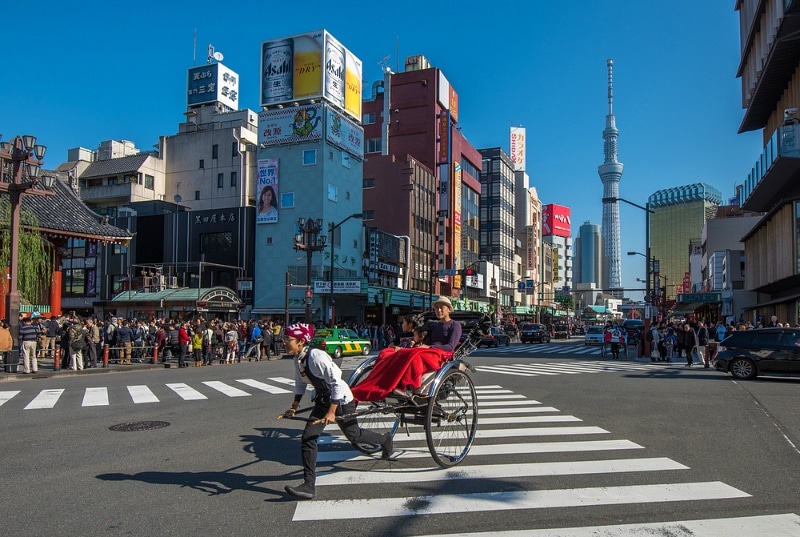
(267, 205)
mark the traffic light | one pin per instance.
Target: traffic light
(467, 272)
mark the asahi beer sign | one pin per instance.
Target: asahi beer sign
(310, 66)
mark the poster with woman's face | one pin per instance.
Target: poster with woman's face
(267, 200)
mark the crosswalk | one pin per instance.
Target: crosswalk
(142, 394)
(549, 348)
(513, 424)
(573, 367)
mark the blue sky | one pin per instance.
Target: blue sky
(89, 71)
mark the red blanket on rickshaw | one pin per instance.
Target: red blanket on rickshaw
(402, 368)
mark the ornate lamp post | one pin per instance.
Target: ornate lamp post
(24, 158)
(331, 230)
(309, 241)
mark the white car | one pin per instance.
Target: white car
(594, 335)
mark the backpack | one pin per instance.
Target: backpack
(111, 335)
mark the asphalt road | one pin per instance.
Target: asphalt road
(566, 440)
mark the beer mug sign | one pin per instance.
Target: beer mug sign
(277, 70)
(307, 67)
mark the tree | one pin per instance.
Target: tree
(35, 260)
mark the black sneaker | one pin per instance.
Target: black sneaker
(301, 492)
(387, 447)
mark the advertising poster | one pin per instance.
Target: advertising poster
(556, 220)
(287, 125)
(267, 204)
(212, 83)
(518, 148)
(310, 66)
(344, 134)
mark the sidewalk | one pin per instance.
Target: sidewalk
(46, 369)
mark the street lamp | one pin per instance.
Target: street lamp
(310, 241)
(648, 211)
(21, 150)
(331, 229)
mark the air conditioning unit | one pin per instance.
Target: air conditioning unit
(172, 282)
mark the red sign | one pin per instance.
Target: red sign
(556, 220)
(444, 137)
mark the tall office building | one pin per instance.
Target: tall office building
(610, 174)
(588, 264)
(678, 217)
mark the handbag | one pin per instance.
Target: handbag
(78, 344)
(655, 354)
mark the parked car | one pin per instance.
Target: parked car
(745, 354)
(495, 338)
(534, 332)
(340, 341)
(594, 335)
(633, 328)
(561, 331)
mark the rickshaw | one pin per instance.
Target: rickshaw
(447, 408)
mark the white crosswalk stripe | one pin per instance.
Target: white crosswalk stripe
(185, 392)
(142, 394)
(45, 399)
(7, 396)
(95, 397)
(567, 368)
(500, 419)
(263, 386)
(227, 389)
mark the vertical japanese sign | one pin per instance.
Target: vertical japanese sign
(267, 205)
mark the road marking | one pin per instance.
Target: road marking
(528, 419)
(282, 380)
(95, 397)
(142, 394)
(495, 501)
(493, 449)
(263, 386)
(45, 399)
(507, 403)
(497, 471)
(333, 438)
(227, 389)
(752, 526)
(6, 396)
(482, 412)
(185, 392)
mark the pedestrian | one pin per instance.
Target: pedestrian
(93, 337)
(689, 343)
(28, 335)
(231, 344)
(615, 337)
(702, 343)
(184, 340)
(773, 322)
(6, 342)
(669, 344)
(197, 348)
(77, 344)
(332, 398)
(655, 341)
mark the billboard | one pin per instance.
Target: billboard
(343, 133)
(518, 148)
(267, 205)
(289, 125)
(310, 66)
(212, 83)
(556, 220)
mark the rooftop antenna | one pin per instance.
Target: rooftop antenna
(194, 49)
(212, 55)
(384, 63)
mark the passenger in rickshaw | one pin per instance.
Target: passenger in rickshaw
(400, 371)
(332, 398)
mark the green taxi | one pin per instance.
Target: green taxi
(339, 342)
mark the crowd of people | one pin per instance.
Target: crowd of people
(81, 342)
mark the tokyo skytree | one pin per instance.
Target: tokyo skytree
(610, 173)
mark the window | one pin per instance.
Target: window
(368, 118)
(368, 215)
(220, 180)
(217, 247)
(215, 151)
(234, 178)
(287, 200)
(197, 194)
(368, 183)
(235, 149)
(373, 145)
(202, 164)
(149, 182)
(309, 157)
(333, 192)
(346, 159)
(113, 181)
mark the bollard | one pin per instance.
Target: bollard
(154, 359)
(57, 359)
(105, 355)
